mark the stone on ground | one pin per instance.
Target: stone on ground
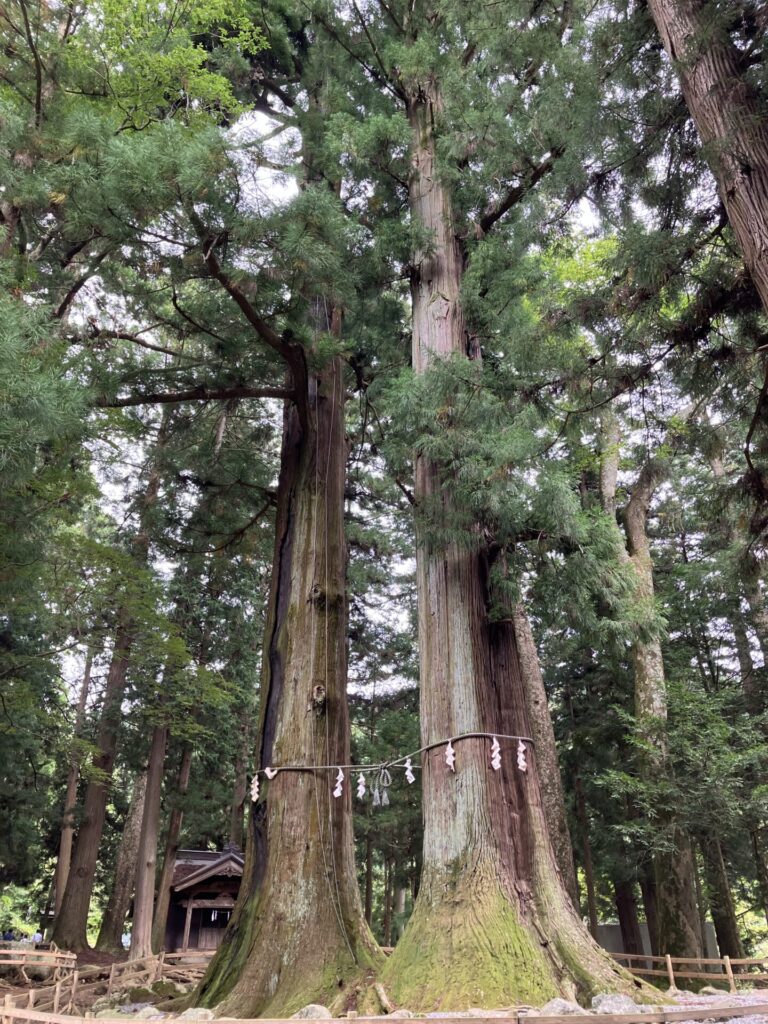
(557, 1006)
(608, 1002)
(198, 1013)
(312, 1010)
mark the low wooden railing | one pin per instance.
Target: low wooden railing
(83, 986)
(22, 958)
(699, 1013)
(725, 969)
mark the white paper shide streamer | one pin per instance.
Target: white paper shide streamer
(255, 788)
(270, 772)
(360, 786)
(450, 756)
(339, 784)
(522, 764)
(409, 776)
(495, 754)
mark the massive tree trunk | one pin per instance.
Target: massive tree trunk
(543, 735)
(169, 857)
(146, 861)
(113, 921)
(721, 899)
(493, 924)
(298, 934)
(729, 118)
(70, 798)
(677, 915)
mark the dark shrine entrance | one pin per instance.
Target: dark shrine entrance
(203, 893)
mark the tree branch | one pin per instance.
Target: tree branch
(496, 211)
(201, 393)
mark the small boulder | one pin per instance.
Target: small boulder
(710, 990)
(150, 1013)
(197, 1013)
(555, 1007)
(312, 1010)
(401, 1013)
(608, 1002)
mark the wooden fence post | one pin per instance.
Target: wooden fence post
(160, 965)
(7, 1004)
(111, 980)
(729, 973)
(75, 979)
(670, 972)
(56, 996)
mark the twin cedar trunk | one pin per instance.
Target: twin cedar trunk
(492, 924)
(297, 933)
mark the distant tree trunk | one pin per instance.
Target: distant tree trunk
(650, 906)
(721, 899)
(237, 811)
(70, 929)
(626, 909)
(543, 734)
(760, 866)
(493, 923)
(701, 905)
(586, 851)
(169, 857)
(729, 117)
(146, 862)
(753, 698)
(399, 908)
(676, 898)
(113, 921)
(298, 934)
(368, 880)
(71, 924)
(70, 798)
(388, 884)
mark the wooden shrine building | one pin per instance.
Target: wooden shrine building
(203, 892)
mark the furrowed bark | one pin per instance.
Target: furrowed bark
(729, 119)
(146, 861)
(543, 735)
(169, 857)
(113, 922)
(492, 924)
(297, 934)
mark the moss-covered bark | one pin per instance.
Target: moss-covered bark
(298, 934)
